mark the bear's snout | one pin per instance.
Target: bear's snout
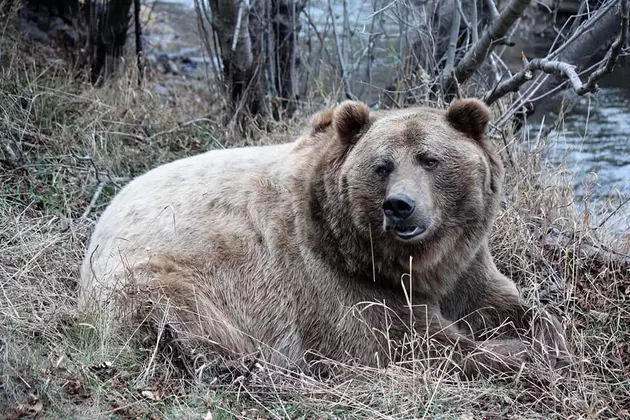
(398, 207)
(403, 218)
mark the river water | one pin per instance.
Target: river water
(593, 142)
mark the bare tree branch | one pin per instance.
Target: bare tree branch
(566, 70)
(452, 45)
(462, 15)
(477, 54)
(558, 68)
(342, 61)
(494, 12)
(474, 23)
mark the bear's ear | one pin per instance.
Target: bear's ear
(321, 121)
(350, 119)
(470, 116)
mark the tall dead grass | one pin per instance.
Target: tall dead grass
(72, 147)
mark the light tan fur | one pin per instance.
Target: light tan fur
(269, 248)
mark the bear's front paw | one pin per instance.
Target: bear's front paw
(498, 356)
(550, 341)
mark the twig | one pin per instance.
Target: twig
(613, 212)
(512, 84)
(583, 29)
(494, 12)
(129, 135)
(498, 29)
(586, 30)
(90, 160)
(178, 127)
(94, 199)
(516, 105)
(474, 23)
(458, 4)
(237, 27)
(213, 55)
(342, 63)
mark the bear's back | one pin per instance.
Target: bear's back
(180, 205)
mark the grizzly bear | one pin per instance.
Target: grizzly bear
(336, 246)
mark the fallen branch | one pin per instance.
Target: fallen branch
(557, 240)
(94, 199)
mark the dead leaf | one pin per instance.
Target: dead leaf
(150, 395)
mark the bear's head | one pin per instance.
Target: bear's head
(414, 177)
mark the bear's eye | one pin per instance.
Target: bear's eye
(383, 169)
(427, 162)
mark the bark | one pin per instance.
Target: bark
(230, 20)
(285, 34)
(108, 35)
(261, 60)
(139, 49)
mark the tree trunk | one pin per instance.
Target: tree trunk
(230, 20)
(261, 60)
(285, 34)
(139, 49)
(108, 34)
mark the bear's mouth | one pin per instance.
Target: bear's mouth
(408, 232)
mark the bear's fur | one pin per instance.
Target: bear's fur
(267, 249)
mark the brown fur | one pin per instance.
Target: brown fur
(269, 248)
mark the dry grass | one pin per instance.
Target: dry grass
(58, 363)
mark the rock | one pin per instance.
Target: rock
(151, 59)
(65, 33)
(57, 23)
(171, 67)
(71, 36)
(32, 31)
(162, 59)
(165, 64)
(161, 89)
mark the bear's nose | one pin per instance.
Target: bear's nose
(399, 206)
